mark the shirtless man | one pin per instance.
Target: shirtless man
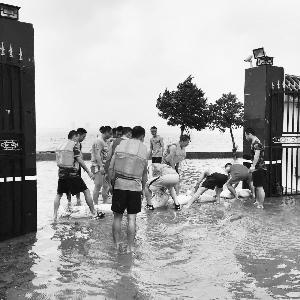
(211, 181)
(165, 177)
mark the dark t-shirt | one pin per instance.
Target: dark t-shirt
(261, 162)
(71, 172)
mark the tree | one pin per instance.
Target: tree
(186, 107)
(227, 113)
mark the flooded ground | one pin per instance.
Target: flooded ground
(200, 253)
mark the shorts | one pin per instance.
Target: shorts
(129, 200)
(161, 182)
(215, 180)
(259, 177)
(73, 185)
(156, 160)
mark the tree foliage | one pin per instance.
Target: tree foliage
(185, 107)
(227, 113)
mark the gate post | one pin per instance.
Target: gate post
(18, 190)
(262, 112)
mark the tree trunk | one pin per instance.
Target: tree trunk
(182, 128)
(233, 144)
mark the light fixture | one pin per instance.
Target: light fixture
(259, 52)
(261, 57)
(249, 60)
(9, 11)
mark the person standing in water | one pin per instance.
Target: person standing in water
(69, 180)
(98, 158)
(175, 154)
(258, 167)
(156, 146)
(128, 174)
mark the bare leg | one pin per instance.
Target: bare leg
(199, 192)
(177, 188)
(131, 229)
(78, 199)
(105, 190)
(56, 206)
(69, 197)
(89, 201)
(232, 189)
(173, 195)
(148, 195)
(116, 228)
(218, 193)
(252, 189)
(260, 196)
(98, 183)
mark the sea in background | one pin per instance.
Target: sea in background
(203, 141)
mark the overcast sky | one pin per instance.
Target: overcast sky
(105, 62)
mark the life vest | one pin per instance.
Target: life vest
(180, 154)
(130, 159)
(65, 155)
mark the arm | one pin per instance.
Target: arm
(84, 167)
(162, 145)
(111, 173)
(151, 149)
(255, 159)
(144, 177)
(171, 155)
(203, 175)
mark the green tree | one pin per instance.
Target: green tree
(185, 107)
(227, 113)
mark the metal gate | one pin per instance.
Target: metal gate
(285, 137)
(17, 170)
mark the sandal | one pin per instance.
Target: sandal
(177, 207)
(149, 207)
(99, 215)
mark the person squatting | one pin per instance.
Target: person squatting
(119, 169)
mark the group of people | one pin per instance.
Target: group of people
(119, 165)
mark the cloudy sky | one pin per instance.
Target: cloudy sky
(105, 62)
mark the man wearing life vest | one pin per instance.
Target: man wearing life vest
(175, 154)
(165, 177)
(69, 181)
(128, 173)
(98, 158)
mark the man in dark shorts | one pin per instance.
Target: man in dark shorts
(208, 181)
(69, 180)
(258, 167)
(238, 173)
(156, 146)
(128, 174)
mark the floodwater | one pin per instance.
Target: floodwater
(205, 252)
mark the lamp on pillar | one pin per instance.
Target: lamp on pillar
(261, 57)
(9, 11)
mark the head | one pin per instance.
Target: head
(153, 131)
(106, 132)
(119, 131)
(114, 130)
(73, 135)
(228, 167)
(82, 134)
(249, 134)
(138, 133)
(184, 140)
(127, 131)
